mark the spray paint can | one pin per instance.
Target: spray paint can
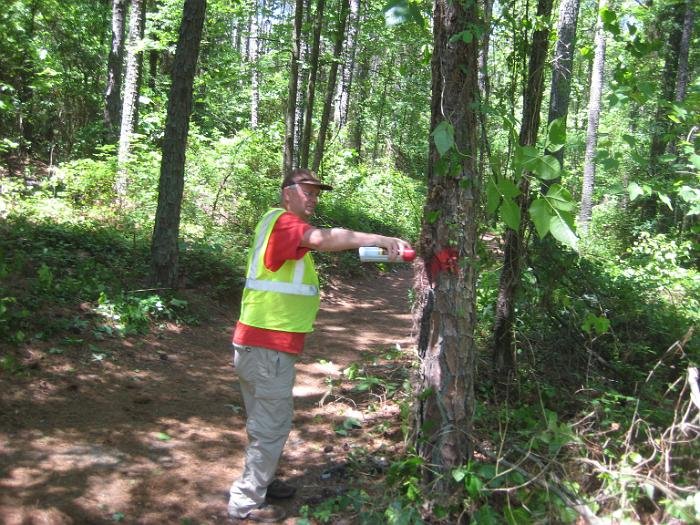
(377, 254)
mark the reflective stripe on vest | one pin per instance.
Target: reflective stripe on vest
(296, 287)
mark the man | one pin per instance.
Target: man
(279, 306)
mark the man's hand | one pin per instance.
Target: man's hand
(394, 247)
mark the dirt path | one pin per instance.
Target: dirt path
(150, 430)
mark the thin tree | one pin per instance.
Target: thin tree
(446, 284)
(164, 246)
(356, 111)
(288, 160)
(134, 54)
(330, 88)
(305, 143)
(348, 69)
(674, 14)
(514, 249)
(562, 64)
(596, 92)
(254, 68)
(684, 51)
(113, 96)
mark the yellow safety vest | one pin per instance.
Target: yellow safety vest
(285, 300)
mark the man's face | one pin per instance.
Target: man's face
(301, 199)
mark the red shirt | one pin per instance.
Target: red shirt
(284, 244)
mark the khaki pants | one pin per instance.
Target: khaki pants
(267, 379)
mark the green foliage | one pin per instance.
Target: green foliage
(129, 314)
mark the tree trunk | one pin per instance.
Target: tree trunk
(305, 143)
(113, 95)
(514, 250)
(592, 130)
(164, 246)
(661, 125)
(388, 81)
(562, 64)
(288, 161)
(25, 89)
(484, 86)
(683, 52)
(356, 111)
(302, 84)
(346, 74)
(131, 94)
(330, 88)
(446, 285)
(254, 71)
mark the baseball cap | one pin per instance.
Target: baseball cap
(304, 176)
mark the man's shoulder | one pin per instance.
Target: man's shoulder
(289, 220)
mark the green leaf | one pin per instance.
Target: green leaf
(398, 12)
(540, 215)
(508, 189)
(162, 436)
(634, 190)
(466, 36)
(607, 15)
(493, 197)
(593, 323)
(557, 132)
(459, 474)
(351, 423)
(510, 213)
(444, 136)
(630, 140)
(559, 198)
(562, 232)
(546, 167)
(473, 485)
(695, 159)
(525, 154)
(665, 199)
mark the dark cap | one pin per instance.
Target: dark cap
(304, 176)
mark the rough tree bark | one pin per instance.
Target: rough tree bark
(356, 114)
(288, 160)
(305, 143)
(562, 64)
(675, 16)
(164, 245)
(596, 92)
(684, 51)
(346, 75)
(446, 284)
(113, 95)
(254, 71)
(131, 93)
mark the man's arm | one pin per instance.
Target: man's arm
(338, 239)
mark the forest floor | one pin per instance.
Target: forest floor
(150, 430)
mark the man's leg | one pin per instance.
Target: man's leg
(267, 380)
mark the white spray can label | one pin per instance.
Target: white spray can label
(377, 254)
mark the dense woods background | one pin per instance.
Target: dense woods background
(543, 158)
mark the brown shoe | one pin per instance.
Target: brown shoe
(267, 514)
(279, 489)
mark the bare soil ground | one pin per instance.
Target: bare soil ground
(150, 430)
